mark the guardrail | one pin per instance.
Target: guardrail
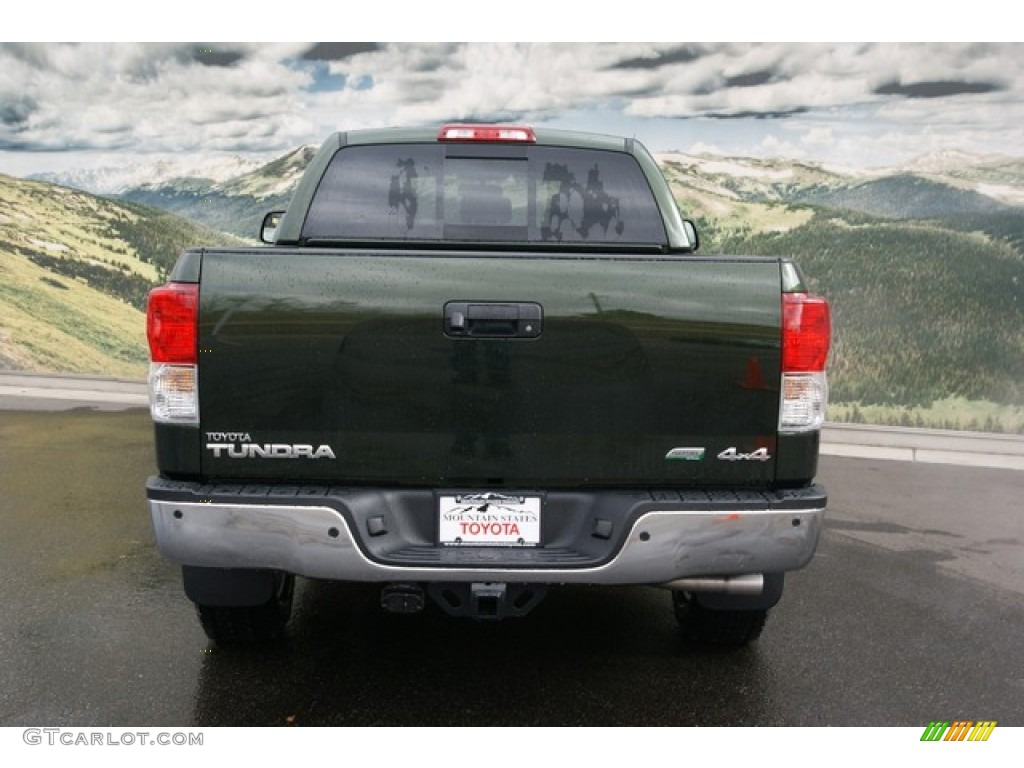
(71, 390)
(930, 446)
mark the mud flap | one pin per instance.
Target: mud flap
(228, 586)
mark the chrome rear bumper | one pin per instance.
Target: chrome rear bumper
(657, 544)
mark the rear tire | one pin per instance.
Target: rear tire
(250, 624)
(721, 629)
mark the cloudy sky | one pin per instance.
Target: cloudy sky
(65, 106)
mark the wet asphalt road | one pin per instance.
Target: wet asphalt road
(911, 611)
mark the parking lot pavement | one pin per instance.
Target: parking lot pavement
(910, 612)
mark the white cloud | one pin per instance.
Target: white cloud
(822, 136)
(150, 97)
(702, 148)
(864, 100)
(773, 146)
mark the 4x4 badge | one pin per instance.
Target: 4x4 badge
(731, 454)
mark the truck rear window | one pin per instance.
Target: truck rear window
(535, 194)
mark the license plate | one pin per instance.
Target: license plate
(488, 519)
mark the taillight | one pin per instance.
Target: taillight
(806, 336)
(172, 328)
(806, 332)
(484, 132)
(172, 323)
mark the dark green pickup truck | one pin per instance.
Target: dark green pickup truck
(472, 364)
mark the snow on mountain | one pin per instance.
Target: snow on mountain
(730, 166)
(277, 177)
(1003, 193)
(999, 178)
(162, 171)
(946, 161)
(995, 177)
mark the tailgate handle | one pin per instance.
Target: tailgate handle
(493, 320)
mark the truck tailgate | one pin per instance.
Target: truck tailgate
(338, 366)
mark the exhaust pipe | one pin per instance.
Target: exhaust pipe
(748, 584)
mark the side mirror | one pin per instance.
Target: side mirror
(268, 232)
(691, 234)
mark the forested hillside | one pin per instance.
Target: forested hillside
(920, 312)
(74, 273)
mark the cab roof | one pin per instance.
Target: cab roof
(428, 134)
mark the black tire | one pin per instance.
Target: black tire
(720, 629)
(250, 624)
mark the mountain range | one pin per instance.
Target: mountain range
(235, 204)
(115, 179)
(923, 264)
